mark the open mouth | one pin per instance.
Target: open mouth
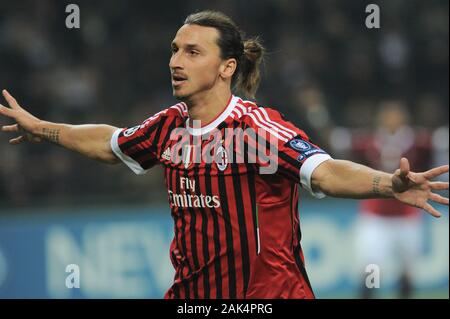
(178, 79)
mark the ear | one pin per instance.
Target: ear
(227, 68)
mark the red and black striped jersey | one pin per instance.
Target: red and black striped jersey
(233, 189)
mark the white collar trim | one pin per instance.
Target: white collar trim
(208, 128)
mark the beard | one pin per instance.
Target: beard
(181, 93)
(186, 94)
(182, 97)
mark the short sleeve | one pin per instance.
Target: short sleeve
(137, 146)
(296, 155)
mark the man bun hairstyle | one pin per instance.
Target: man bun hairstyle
(248, 53)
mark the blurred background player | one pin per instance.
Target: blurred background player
(389, 233)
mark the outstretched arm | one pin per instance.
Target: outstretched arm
(89, 140)
(340, 178)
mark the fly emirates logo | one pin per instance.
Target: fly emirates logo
(188, 197)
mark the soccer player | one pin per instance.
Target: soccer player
(236, 224)
(389, 232)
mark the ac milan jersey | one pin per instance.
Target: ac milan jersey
(233, 189)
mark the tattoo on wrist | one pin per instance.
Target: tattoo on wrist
(51, 135)
(376, 185)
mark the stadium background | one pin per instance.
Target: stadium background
(325, 71)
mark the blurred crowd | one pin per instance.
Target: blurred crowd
(325, 70)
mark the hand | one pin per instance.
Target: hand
(25, 122)
(416, 189)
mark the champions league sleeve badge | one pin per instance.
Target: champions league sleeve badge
(300, 145)
(304, 148)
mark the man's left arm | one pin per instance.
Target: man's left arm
(340, 178)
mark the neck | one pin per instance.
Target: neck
(207, 106)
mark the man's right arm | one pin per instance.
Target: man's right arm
(90, 140)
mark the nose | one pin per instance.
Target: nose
(175, 61)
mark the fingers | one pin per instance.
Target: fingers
(11, 128)
(439, 199)
(6, 111)
(431, 210)
(439, 185)
(17, 140)
(404, 167)
(434, 172)
(11, 100)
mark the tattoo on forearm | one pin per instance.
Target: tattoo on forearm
(51, 135)
(376, 185)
